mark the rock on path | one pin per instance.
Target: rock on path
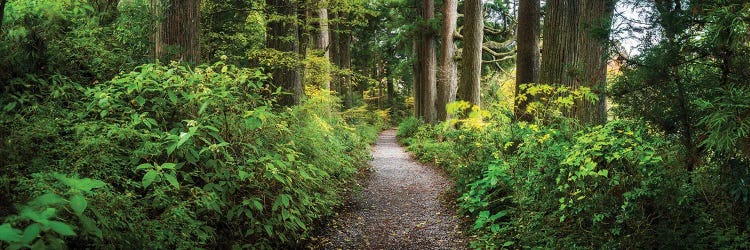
(399, 207)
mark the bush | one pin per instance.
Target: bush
(559, 184)
(47, 37)
(408, 128)
(189, 158)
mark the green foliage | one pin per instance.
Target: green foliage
(408, 128)
(45, 37)
(555, 184)
(548, 103)
(231, 28)
(195, 157)
(44, 226)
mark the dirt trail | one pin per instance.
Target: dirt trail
(399, 208)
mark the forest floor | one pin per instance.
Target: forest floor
(403, 205)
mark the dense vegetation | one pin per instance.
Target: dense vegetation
(668, 170)
(563, 185)
(100, 150)
(152, 124)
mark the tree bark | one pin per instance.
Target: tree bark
(2, 12)
(471, 60)
(340, 53)
(447, 80)
(527, 52)
(178, 35)
(305, 40)
(333, 49)
(322, 39)
(425, 70)
(574, 54)
(345, 51)
(282, 35)
(418, 79)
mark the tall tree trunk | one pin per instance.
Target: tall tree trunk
(447, 80)
(321, 39)
(178, 35)
(282, 35)
(333, 49)
(2, 12)
(574, 54)
(471, 61)
(390, 90)
(345, 52)
(305, 39)
(418, 79)
(425, 74)
(340, 53)
(527, 53)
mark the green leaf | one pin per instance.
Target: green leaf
(84, 184)
(603, 172)
(257, 205)
(168, 166)
(9, 234)
(87, 184)
(78, 204)
(61, 228)
(30, 233)
(172, 180)
(148, 178)
(508, 243)
(42, 218)
(9, 106)
(48, 199)
(143, 166)
(184, 137)
(103, 102)
(172, 97)
(140, 100)
(203, 108)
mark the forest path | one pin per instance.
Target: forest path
(399, 208)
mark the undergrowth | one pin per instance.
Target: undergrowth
(168, 156)
(554, 183)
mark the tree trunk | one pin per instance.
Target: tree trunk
(305, 37)
(527, 53)
(345, 51)
(282, 35)
(333, 49)
(574, 54)
(390, 90)
(447, 80)
(178, 35)
(322, 39)
(418, 79)
(425, 71)
(340, 53)
(2, 12)
(471, 61)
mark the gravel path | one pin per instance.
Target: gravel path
(399, 208)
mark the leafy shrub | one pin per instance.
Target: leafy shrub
(45, 37)
(558, 184)
(45, 227)
(195, 157)
(407, 128)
